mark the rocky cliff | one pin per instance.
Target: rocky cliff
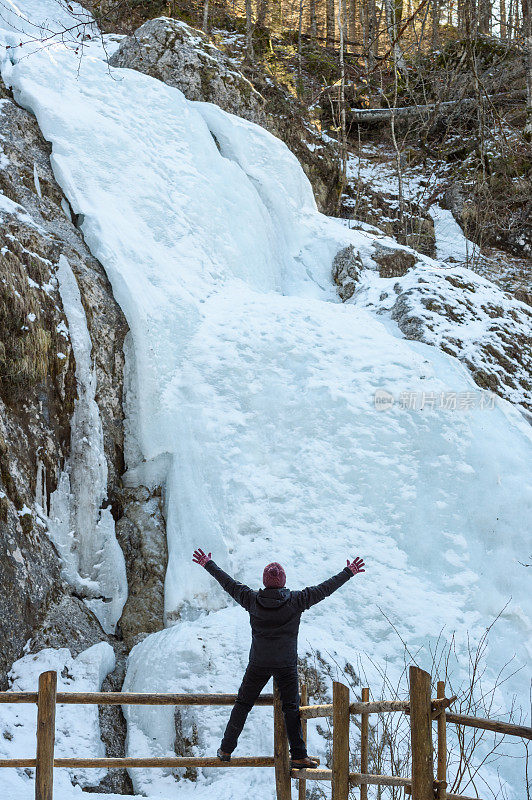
(38, 388)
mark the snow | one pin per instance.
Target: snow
(10, 207)
(250, 395)
(77, 727)
(82, 529)
(483, 329)
(451, 244)
(377, 169)
(24, 511)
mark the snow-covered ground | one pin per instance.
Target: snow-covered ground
(77, 727)
(252, 399)
(423, 184)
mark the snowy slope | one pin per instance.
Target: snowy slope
(465, 315)
(252, 400)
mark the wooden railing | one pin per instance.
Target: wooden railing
(422, 711)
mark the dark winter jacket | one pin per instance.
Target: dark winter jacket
(275, 614)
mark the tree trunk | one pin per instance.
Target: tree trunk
(262, 11)
(206, 16)
(299, 34)
(398, 15)
(435, 23)
(330, 22)
(509, 17)
(368, 23)
(484, 16)
(462, 14)
(390, 9)
(374, 26)
(312, 21)
(249, 31)
(502, 14)
(527, 35)
(469, 18)
(343, 127)
(352, 5)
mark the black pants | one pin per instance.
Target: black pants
(254, 681)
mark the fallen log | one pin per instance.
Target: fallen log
(380, 115)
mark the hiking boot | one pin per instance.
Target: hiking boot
(304, 763)
(223, 756)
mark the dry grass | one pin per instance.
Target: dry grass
(29, 342)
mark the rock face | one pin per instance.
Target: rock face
(364, 205)
(393, 263)
(141, 534)
(183, 57)
(38, 389)
(467, 317)
(346, 271)
(510, 228)
(113, 728)
(180, 56)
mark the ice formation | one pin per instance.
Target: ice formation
(79, 523)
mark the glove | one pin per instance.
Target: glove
(356, 566)
(200, 558)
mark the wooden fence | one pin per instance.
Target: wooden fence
(422, 711)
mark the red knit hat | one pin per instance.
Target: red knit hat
(274, 576)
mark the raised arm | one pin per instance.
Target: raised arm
(238, 591)
(314, 594)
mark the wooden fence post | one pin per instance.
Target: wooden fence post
(364, 742)
(441, 793)
(281, 756)
(421, 735)
(44, 773)
(302, 793)
(340, 765)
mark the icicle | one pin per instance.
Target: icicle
(40, 489)
(81, 528)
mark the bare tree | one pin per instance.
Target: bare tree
(392, 9)
(469, 750)
(249, 31)
(330, 22)
(502, 19)
(262, 12)
(313, 25)
(343, 127)
(527, 35)
(299, 49)
(484, 16)
(352, 17)
(435, 23)
(368, 22)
